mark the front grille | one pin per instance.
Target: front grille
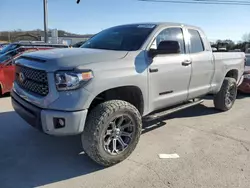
(32, 80)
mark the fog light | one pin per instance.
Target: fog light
(59, 123)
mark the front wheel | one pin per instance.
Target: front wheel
(112, 132)
(226, 97)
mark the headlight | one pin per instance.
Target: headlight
(247, 76)
(72, 80)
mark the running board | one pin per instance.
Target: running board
(172, 110)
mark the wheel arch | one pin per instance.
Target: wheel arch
(129, 93)
(233, 73)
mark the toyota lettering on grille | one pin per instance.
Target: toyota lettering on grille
(21, 77)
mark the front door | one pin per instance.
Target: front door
(169, 76)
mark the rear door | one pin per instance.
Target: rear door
(202, 64)
(168, 76)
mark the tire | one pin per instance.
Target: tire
(97, 126)
(228, 88)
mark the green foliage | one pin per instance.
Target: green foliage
(246, 37)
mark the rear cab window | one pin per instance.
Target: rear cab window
(196, 43)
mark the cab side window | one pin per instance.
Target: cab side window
(170, 34)
(196, 41)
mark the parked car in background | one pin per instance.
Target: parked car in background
(245, 86)
(2, 45)
(7, 67)
(235, 50)
(222, 50)
(248, 56)
(79, 44)
(32, 42)
(15, 45)
(248, 51)
(214, 49)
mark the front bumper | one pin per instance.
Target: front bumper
(43, 119)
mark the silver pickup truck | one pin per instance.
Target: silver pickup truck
(103, 89)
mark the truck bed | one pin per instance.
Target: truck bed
(225, 61)
(228, 55)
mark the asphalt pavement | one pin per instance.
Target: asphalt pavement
(213, 150)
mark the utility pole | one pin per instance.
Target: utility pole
(45, 13)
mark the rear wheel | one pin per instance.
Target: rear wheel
(111, 132)
(224, 100)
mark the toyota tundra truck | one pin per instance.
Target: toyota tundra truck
(122, 75)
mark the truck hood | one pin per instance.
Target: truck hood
(69, 58)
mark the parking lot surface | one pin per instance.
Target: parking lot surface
(213, 149)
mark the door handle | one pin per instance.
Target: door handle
(186, 63)
(153, 70)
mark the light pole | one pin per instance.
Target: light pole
(45, 13)
(45, 18)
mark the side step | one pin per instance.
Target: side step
(172, 110)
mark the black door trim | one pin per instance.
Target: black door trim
(153, 70)
(166, 92)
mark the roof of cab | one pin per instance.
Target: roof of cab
(163, 24)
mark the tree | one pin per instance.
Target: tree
(228, 44)
(246, 37)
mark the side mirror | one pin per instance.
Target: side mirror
(166, 47)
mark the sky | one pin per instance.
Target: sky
(91, 16)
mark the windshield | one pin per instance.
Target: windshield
(121, 38)
(6, 56)
(8, 48)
